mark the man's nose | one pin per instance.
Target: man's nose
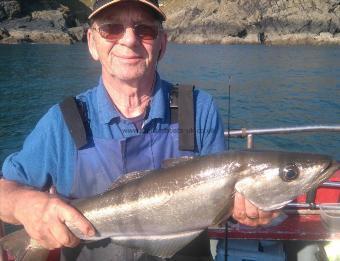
(129, 37)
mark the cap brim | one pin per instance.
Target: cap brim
(154, 7)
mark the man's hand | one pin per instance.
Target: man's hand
(247, 214)
(44, 216)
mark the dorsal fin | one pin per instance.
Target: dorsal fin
(129, 177)
(175, 161)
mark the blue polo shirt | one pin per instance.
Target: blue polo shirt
(49, 154)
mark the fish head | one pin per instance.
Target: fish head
(272, 179)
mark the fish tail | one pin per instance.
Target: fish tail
(20, 246)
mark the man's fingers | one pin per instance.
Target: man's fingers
(245, 212)
(265, 217)
(276, 214)
(47, 217)
(252, 212)
(48, 241)
(63, 235)
(71, 216)
(239, 207)
(248, 214)
(265, 214)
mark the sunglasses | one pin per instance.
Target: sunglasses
(114, 32)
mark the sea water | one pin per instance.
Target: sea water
(271, 86)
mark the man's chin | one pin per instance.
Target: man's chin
(131, 77)
(130, 72)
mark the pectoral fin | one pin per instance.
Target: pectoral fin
(164, 246)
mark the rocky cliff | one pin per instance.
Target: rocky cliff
(189, 21)
(253, 21)
(42, 21)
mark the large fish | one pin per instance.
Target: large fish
(161, 211)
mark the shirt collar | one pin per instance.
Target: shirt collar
(158, 109)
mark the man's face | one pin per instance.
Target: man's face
(128, 58)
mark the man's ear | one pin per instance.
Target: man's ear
(92, 45)
(164, 41)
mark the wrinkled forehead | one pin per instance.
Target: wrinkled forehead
(127, 12)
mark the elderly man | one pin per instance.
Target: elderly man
(128, 126)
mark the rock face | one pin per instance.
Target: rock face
(43, 21)
(253, 21)
(9, 9)
(3, 33)
(189, 21)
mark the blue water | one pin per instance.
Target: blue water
(270, 87)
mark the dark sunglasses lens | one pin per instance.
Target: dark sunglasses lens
(146, 32)
(111, 32)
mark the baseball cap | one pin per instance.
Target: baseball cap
(100, 5)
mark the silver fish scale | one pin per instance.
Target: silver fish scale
(143, 211)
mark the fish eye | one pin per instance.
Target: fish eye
(289, 173)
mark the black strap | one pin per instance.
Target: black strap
(182, 111)
(174, 104)
(74, 121)
(186, 117)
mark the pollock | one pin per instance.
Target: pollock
(161, 211)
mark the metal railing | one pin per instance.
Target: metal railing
(250, 133)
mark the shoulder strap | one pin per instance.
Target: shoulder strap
(174, 104)
(74, 119)
(182, 111)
